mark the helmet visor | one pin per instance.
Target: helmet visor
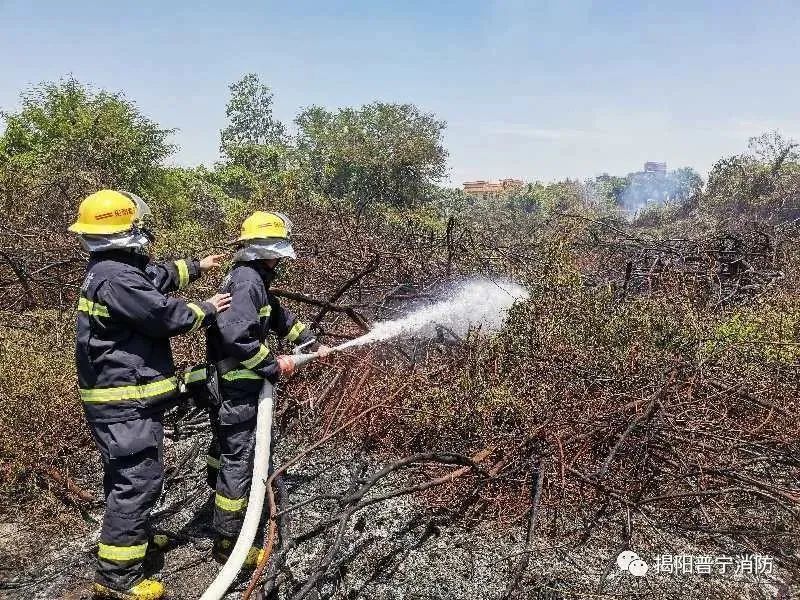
(288, 223)
(142, 209)
(127, 240)
(265, 249)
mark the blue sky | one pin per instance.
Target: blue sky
(535, 90)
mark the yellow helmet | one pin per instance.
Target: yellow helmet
(108, 212)
(262, 225)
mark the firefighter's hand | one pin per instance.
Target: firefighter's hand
(285, 364)
(212, 261)
(220, 301)
(323, 350)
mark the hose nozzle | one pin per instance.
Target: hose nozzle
(303, 359)
(300, 359)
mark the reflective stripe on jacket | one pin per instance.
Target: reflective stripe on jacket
(241, 332)
(124, 322)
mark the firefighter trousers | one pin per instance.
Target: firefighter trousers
(132, 453)
(231, 453)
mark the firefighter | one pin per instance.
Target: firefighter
(240, 359)
(126, 374)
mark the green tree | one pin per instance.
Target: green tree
(250, 118)
(385, 153)
(193, 210)
(761, 184)
(606, 190)
(568, 196)
(528, 198)
(683, 184)
(68, 140)
(258, 164)
(315, 141)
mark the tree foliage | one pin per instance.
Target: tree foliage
(379, 153)
(250, 118)
(255, 147)
(68, 140)
(763, 183)
(558, 197)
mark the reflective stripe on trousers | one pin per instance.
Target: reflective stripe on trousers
(229, 504)
(122, 553)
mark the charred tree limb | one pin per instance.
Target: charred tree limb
(349, 311)
(21, 277)
(536, 493)
(73, 488)
(644, 418)
(370, 268)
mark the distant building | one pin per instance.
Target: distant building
(482, 188)
(655, 167)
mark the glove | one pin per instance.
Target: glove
(285, 364)
(323, 350)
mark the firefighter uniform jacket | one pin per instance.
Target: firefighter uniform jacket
(241, 333)
(125, 320)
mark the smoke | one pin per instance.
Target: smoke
(644, 189)
(477, 302)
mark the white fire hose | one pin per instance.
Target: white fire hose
(255, 502)
(258, 488)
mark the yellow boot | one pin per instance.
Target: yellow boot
(254, 556)
(222, 550)
(159, 543)
(147, 589)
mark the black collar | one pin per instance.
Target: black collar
(124, 256)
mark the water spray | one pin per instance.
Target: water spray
(476, 303)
